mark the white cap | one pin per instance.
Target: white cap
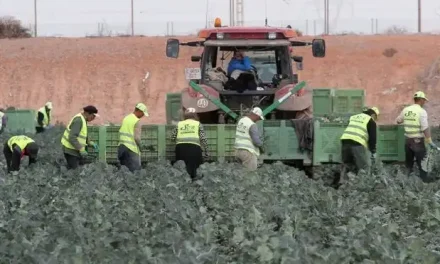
(258, 112)
(49, 105)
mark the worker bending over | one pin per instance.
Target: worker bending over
(44, 116)
(417, 132)
(75, 140)
(190, 138)
(248, 144)
(130, 139)
(16, 148)
(358, 137)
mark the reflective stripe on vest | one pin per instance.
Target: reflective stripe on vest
(357, 129)
(46, 119)
(82, 137)
(243, 139)
(20, 141)
(126, 133)
(188, 132)
(411, 121)
(1, 119)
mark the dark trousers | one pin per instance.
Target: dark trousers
(12, 159)
(191, 154)
(128, 158)
(39, 129)
(73, 161)
(415, 148)
(354, 156)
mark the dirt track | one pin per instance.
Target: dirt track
(108, 72)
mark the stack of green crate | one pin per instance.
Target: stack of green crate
(322, 101)
(348, 102)
(334, 102)
(21, 121)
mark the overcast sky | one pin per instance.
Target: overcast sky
(81, 17)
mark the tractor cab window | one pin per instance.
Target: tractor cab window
(263, 63)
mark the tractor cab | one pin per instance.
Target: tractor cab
(245, 67)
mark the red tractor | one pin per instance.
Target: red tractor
(265, 75)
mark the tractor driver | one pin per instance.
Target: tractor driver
(239, 62)
(238, 65)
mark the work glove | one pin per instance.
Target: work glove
(94, 145)
(205, 155)
(373, 156)
(433, 146)
(49, 126)
(83, 154)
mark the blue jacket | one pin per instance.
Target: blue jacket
(244, 65)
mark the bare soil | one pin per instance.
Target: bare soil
(109, 73)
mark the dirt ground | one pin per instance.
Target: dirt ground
(109, 73)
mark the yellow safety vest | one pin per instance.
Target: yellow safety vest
(20, 141)
(357, 129)
(188, 132)
(126, 133)
(411, 121)
(243, 139)
(82, 137)
(46, 118)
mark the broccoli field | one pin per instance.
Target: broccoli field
(100, 214)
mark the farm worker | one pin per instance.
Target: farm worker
(130, 138)
(358, 137)
(3, 120)
(16, 148)
(75, 140)
(190, 138)
(248, 144)
(44, 116)
(239, 62)
(417, 132)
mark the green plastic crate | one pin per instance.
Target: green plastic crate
(322, 101)
(170, 145)
(93, 135)
(151, 135)
(173, 104)
(112, 141)
(348, 101)
(21, 121)
(281, 142)
(391, 143)
(327, 143)
(220, 138)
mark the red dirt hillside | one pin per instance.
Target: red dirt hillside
(108, 72)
